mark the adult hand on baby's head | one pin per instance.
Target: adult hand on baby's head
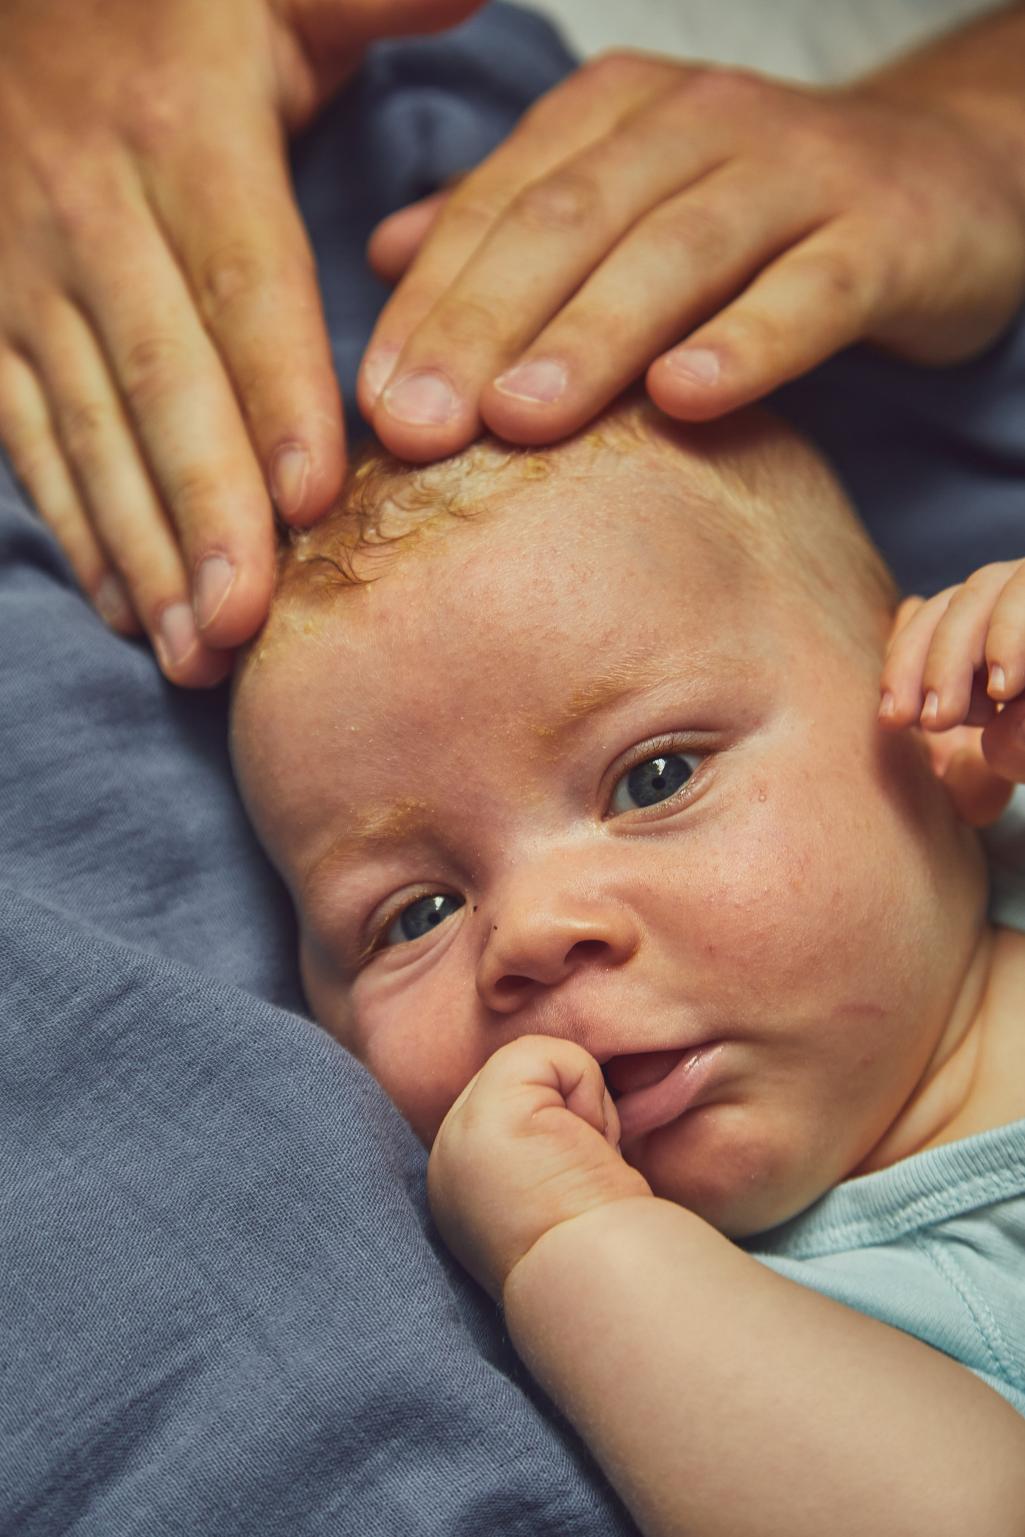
(644, 203)
(164, 365)
(532, 1141)
(956, 663)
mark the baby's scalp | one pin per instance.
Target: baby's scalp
(750, 489)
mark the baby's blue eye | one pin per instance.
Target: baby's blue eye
(420, 917)
(652, 781)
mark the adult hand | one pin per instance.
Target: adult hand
(532, 1141)
(645, 203)
(164, 365)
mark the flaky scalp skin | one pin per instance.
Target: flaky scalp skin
(749, 485)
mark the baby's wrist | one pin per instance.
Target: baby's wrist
(574, 1244)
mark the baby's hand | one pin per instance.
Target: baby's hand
(532, 1141)
(957, 661)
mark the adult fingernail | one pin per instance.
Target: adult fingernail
(112, 601)
(176, 635)
(931, 707)
(542, 380)
(377, 369)
(288, 472)
(697, 365)
(997, 680)
(423, 399)
(212, 585)
(887, 704)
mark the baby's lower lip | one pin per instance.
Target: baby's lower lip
(644, 1110)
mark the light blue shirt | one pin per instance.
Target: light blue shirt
(934, 1245)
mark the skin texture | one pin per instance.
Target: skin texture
(439, 701)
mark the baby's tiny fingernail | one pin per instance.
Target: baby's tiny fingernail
(213, 583)
(288, 472)
(698, 365)
(377, 369)
(422, 399)
(542, 380)
(997, 680)
(887, 704)
(176, 635)
(931, 707)
(112, 601)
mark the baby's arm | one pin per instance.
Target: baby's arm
(721, 1399)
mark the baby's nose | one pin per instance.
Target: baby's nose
(539, 947)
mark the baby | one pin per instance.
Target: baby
(676, 954)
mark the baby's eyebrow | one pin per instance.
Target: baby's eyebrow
(370, 831)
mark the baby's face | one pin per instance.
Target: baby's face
(574, 772)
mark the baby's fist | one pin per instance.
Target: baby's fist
(532, 1141)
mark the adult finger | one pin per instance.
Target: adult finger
(691, 254)
(249, 265)
(810, 303)
(27, 434)
(562, 124)
(184, 415)
(396, 240)
(125, 516)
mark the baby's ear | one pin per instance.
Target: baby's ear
(978, 794)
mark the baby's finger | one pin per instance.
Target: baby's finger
(814, 301)
(1003, 742)
(26, 432)
(1005, 638)
(901, 681)
(957, 648)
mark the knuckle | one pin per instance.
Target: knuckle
(84, 425)
(154, 110)
(566, 200)
(196, 496)
(468, 215)
(227, 275)
(467, 322)
(730, 91)
(148, 367)
(700, 235)
(985, 578)
(616, 67)
(837, 277)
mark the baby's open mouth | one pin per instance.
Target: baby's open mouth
(652, 1089)
(638, 1069)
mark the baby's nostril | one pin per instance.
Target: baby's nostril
(512, 986)
(588, 950)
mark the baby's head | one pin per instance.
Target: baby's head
(589, 748)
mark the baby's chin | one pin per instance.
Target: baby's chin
(716, 1162)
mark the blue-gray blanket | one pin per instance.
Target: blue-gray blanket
(223, 1308)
